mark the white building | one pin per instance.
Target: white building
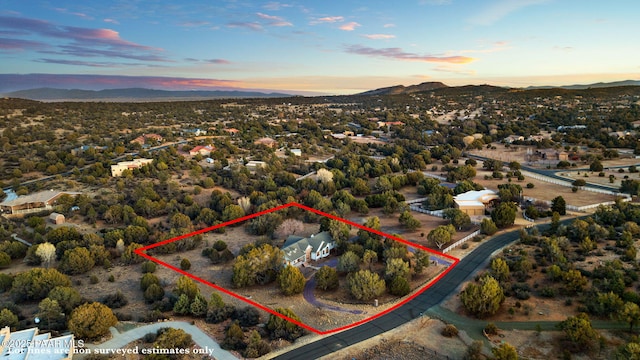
(30, 345)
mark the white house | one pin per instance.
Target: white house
(474, 202)
(299, 251)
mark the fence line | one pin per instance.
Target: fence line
(461, 241)
(570, 184)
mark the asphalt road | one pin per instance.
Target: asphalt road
(437, 293)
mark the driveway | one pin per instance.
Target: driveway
(121, 339)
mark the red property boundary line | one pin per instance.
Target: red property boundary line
(141, 252)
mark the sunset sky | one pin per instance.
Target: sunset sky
(333, 47)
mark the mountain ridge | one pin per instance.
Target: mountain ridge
(53, 94)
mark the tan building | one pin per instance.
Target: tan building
(40, 201)
(117, 169)
(268, 142)
(474, 203)
(56, 218)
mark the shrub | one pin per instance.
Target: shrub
(148, 267)
(218, 315)
(185, 264)
(115, 301)
(111, 278)
(450, 331)
(491, 329)
(248, 316)
(530, 185)
(94, 279)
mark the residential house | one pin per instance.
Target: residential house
(117, 169)
(194, 132)
(254, 165)
(474, 202)
(232, 131)
(300, 251)
(202, 150)
(142, 139)
(266, 141)
(40, 201)
(30, 344)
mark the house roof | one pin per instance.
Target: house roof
(39, 197)
(475, 198)
(295, 246)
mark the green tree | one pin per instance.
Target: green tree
(234, 338)
(199, 306)
(280, 327)
(51, 313)
(36, 283)
(260, 265)
(596, 166)
(574, 281)
(579, 332)
(365, 285)
(327, 278)
(153, 293)
(147, 280)
(67, 297)
(170, 338)
(483, 298)
(183, 305)
(441, 235)
(459, 219)
(76, 261)
(630, 313)
(559, 205)
(504, 214)
(395, 267)
(8, 318)
(256, 346)
(410, 222)
(91, 320)
(504, 352)
(348, 262)
(232, 212)
(488, 227)
(291, 280)
(186, 286)
(500, 270)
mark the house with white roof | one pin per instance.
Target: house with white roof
(474, 202)
(30, 345)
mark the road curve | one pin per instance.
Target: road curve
(437, 293)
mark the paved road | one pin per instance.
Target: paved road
(448, 285)
(119, 340)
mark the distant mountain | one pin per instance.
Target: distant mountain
(590, 86)
(401, 89)
(50, 94)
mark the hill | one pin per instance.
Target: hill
(51, 94)
(590, 86)
(401, 89)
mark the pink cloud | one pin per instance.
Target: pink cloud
(274, 20)
(249, 25)
(399, 54)
(379, 36)
(81, 41)
(350, 26)
(331, 19)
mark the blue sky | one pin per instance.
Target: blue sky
(336, 47)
